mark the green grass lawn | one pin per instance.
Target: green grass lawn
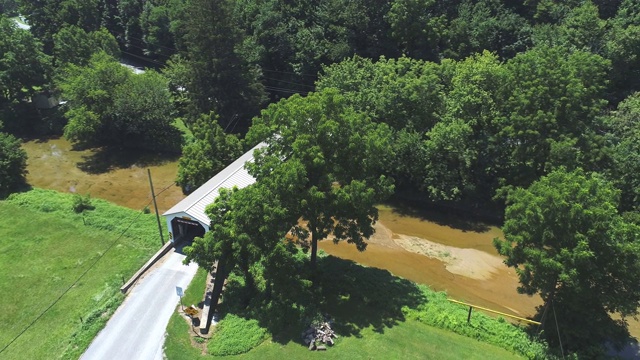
(408, 340)
(363, 336)
(44, 248)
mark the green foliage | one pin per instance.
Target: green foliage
(210, 151)
(561, 236)
(583, 29)
(419, 27)
(403, 93)
(128, 15)
(81, 203)
(142, 114)
(23, 66)
(9, 7)
(487, 25)
(235, 335)
(247, 226)
(219, 78)
(74, 45)
(291, 41)
(556, 96)
(463, 157)
(437, 311)
(155, 22)
(108, 105)
(13, 164)
(334, 156)
(625, 136)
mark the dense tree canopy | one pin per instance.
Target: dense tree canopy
(248, 227)
(625, 136)
(562, 235)
(109, 105)
(219, 78)
(72, 45)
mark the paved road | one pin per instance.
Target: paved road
(136, 330)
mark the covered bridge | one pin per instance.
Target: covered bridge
(187, 219)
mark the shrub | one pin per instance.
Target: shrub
(82, 203)
(13, 164)
(235, 335)
(437, 311)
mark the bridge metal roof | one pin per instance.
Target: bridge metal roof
(233, 175)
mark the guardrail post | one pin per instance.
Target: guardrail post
(469, 316)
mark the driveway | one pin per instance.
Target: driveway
(137, 329)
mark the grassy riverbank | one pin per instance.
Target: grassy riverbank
(44, 249)
(376, 314)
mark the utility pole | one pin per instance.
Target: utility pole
(155, 206)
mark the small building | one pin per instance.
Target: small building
(187, 219)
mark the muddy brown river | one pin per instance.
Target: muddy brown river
(442, 255)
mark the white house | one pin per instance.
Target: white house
(187, 218)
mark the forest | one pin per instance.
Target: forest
(523, 112)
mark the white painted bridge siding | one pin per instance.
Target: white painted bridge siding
(193, 206)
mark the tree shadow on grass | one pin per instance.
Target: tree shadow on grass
(441, 215)
(110, 158)
(359, 297)
(353, 296)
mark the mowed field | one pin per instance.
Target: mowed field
(50, 255)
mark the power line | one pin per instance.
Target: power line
(74, 283)
(289, 82)
(291, 73)
(143, 58)
(290, 91)
(163, 190)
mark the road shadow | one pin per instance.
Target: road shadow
(629, 351)
(106, 159)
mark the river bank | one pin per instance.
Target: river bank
(453, 256)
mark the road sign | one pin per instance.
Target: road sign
(179, 291)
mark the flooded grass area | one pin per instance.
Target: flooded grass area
(116, 176)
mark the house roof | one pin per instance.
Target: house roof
(233, 175)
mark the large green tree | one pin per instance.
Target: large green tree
(339, 153)
(566, 241)
(420, 26)
(109, 105)
(208, 153)
(23, 65)
(220, 79)
(463, 158)
(551, 113)
(487, 25)
(46, 17)
(247, 227)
